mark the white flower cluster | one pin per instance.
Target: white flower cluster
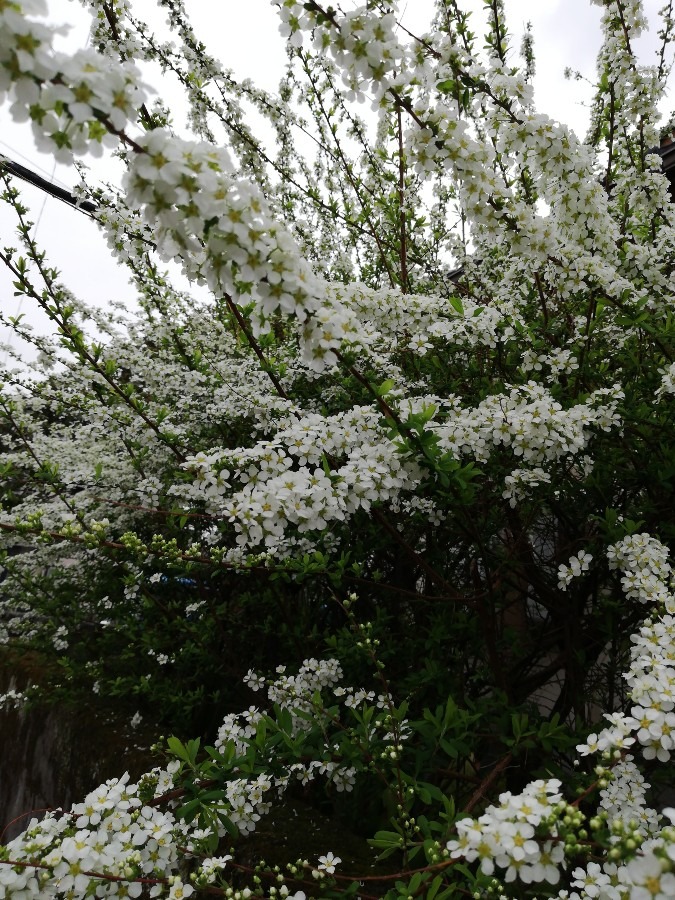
(291, 692)
(314, 675)
(519, 483)
(533, 425)
(382, 317)
(446, 142)
(594, 881)
(221, 229)
(557, 160)
(651, 677)
(576, 565)
(667, 381)
(624, 802)
(123, 43)
(550, 153)
(75, 100)
(363, 43)
(246, 802)
(528, 421)
(646, 570)
(616, 737)
(12, 699)
(213, 866)
(285, 484)
(219, 226)
(111, 835)
(557, 361)
(126, 234)
(367, 50)
(112, 839)
(505, 835)
(297, 695)
(60, 638)
(648, 876)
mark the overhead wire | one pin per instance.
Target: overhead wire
(48, 186)
(27, 159)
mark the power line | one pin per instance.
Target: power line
(32, 162)
(16, 169)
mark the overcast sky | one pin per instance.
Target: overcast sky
(243, 35)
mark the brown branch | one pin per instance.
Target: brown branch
(25, 815)
(487, 783)
(255, 346)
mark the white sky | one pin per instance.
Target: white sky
(243, 35)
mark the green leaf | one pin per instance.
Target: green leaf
(385, 387)
(178, 749)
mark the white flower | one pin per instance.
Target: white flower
(577, 564)
(180, 891)
(328, 863)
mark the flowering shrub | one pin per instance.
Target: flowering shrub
(422, 474)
